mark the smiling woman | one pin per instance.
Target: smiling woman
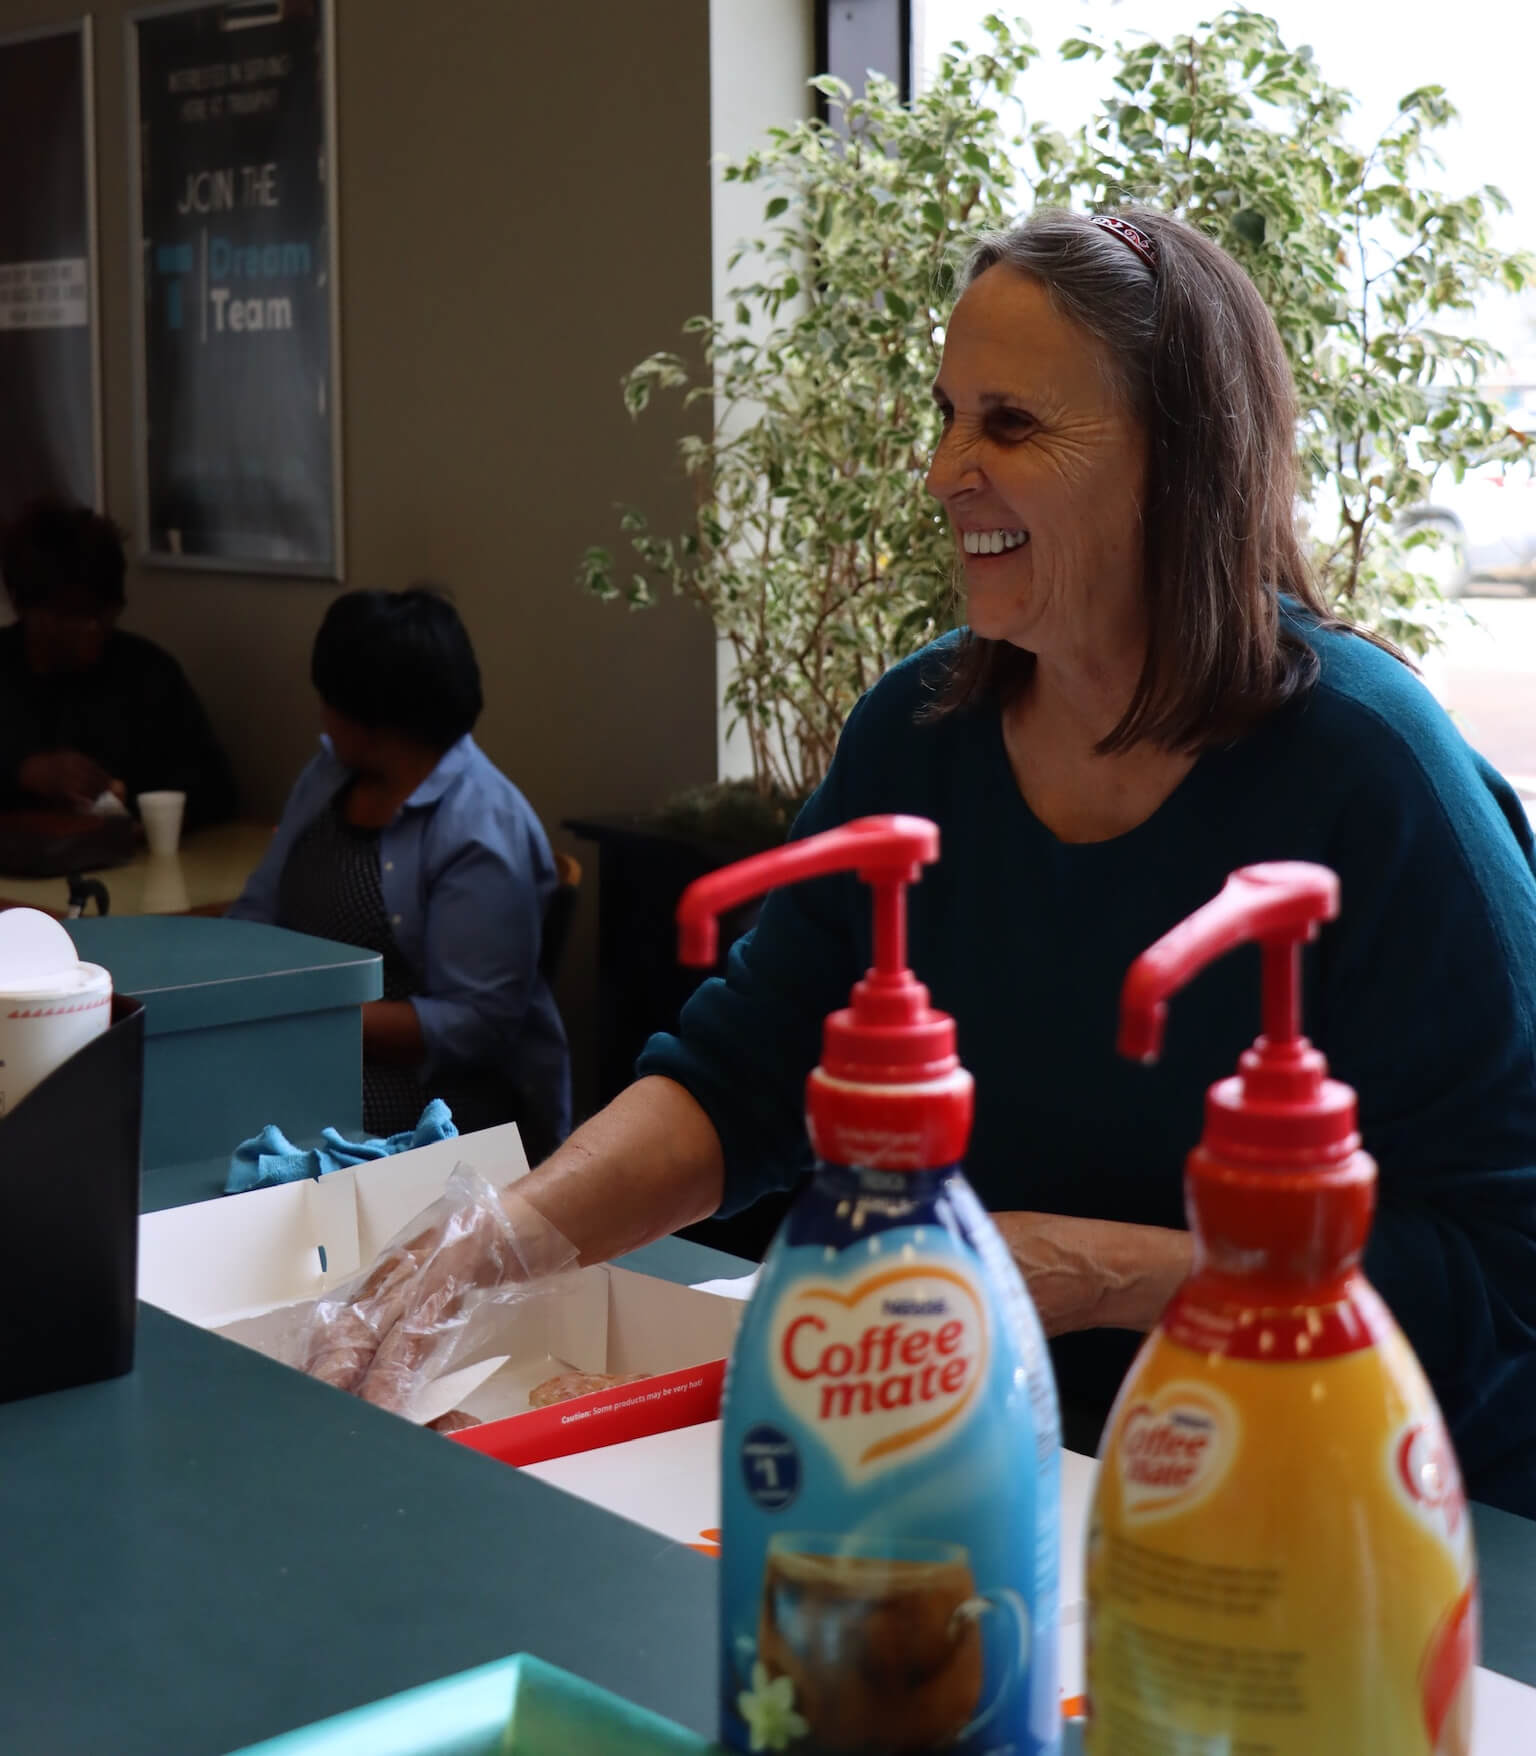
(1147, 698)
(1042, 475)
(1148, 455)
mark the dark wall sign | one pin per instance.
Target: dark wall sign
(49, 434)
(237, 382)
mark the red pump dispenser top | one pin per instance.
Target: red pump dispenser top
(1279, 1193)
(890, 1092)
(1281, 1107)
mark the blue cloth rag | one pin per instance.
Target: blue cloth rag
(271, 1157)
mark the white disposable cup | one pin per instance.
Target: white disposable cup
(160, 813)
(51, 1004)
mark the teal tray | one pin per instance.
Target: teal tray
(515, 1707)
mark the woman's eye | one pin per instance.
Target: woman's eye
(1012, 421)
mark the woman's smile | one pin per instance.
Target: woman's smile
(984, 545)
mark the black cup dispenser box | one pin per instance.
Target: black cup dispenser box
(69, 1216)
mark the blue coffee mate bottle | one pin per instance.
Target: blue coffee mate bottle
(890, 1491)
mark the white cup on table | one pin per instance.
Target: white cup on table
(161, 815)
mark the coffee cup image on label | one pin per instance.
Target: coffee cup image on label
(884, 1366)
(869, 1643)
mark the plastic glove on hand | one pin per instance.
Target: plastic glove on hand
(393, 1328)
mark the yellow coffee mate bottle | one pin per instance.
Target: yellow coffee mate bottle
(1279, 1556)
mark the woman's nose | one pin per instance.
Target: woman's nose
(952, 469)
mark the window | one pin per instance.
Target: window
(1482, 59)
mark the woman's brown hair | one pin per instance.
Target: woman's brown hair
(1201, 364)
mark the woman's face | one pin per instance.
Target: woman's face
(67, 633)
(1041, 469)
(352, 745)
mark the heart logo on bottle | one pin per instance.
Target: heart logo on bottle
(1174, 1449)
(1426, 1476)
(883, 1367)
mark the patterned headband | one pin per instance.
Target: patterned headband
(1137, 239)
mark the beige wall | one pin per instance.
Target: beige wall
(524, 212)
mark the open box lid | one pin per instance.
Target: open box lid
(247, 1267)
(219, 1262)
(196, 972)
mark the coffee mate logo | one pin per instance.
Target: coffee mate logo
(883, 1368)
(1175, 1449)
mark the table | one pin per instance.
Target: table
(203, 878)
(217, 1549)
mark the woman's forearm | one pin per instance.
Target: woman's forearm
(641, 1168)
(651, 1163)
(1096, 1273)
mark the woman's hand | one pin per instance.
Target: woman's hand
(1096, 1273)
(68, 776)
(646, 1166)
(393, 1329)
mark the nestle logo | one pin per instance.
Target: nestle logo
(914, 1307)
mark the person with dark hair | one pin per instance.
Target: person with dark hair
(1150, 693)
(403, 837)
(86, 709)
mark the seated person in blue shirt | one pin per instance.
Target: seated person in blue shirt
(1151, 693)
(84, 708)
(401, 836)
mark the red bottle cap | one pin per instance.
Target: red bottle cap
(1280, 1108)
(890, 1091)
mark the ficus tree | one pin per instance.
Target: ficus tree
(813, 546)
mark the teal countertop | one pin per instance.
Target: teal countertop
(216, 1549)
(182, 1184)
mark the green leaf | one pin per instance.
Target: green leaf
(831, 87)
(1249, 225)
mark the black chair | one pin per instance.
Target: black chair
(557, 916)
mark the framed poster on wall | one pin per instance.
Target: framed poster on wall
(237, 420)
(50, 423)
